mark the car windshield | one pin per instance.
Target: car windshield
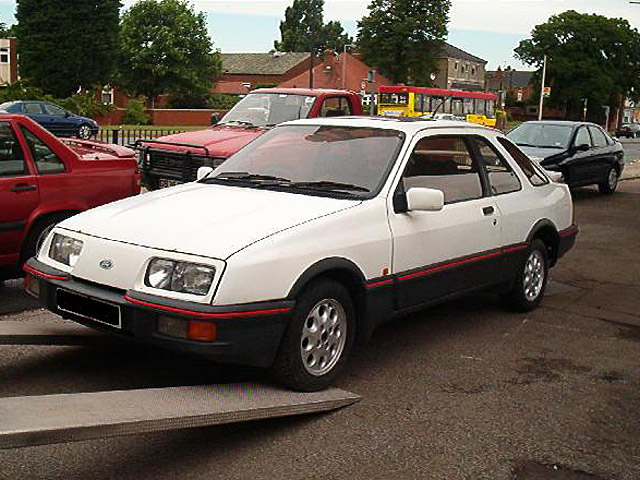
(264, 109)
(351, 161)
(541, 135)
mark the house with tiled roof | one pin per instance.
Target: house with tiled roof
(460, 70)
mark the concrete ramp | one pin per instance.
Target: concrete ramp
(45, 333)
(47, 419)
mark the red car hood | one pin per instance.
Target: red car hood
(218, 141)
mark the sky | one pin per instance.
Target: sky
(489, 29)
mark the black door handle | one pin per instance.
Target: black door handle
(24, 187)
(488, 210)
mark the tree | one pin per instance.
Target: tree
(165, 48)
(588, 57)
(304, 30)
(404, 38)
(65, 45)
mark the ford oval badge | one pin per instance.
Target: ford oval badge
(106, 264)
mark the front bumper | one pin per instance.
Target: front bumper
(247, 334)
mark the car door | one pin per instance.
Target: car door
(19, 195)
(58, 121)
(603, 155)
(439, 253)
(578, 164)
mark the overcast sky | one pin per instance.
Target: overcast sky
(490, 29)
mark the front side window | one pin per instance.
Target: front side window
(501, 178)
(268, 109)
(46, 161)
(12, 162)
(315, 159)
(444, 163)
(582, 137)
(335, 107)
(599, 140)
(54, 110)
(525, 164)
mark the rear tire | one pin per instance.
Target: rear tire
(38, 234)
(318, 340)
(531, 282)
(611, 183)
(84, 131)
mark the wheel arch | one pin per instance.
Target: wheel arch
(349, 275)
(546, 231)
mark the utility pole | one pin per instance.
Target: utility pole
(311, 62)
(344, 64)
(544, 78)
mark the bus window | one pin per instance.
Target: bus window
(491, 108)
(456, 106)
(419, 103)
(468, 106)
(394, 98)
(480, 106)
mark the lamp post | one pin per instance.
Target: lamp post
(344, 64)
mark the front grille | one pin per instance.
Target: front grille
(181, 166)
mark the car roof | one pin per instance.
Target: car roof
(407, 125)
(568, 123)
(312, 92)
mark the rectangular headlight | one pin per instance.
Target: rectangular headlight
(65, 249)
(181, 277)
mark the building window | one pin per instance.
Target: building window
(455, 67)
(107, 96)
(473, 70)
(4, 55)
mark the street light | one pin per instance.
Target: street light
(344, 64)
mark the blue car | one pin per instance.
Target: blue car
(54, 118)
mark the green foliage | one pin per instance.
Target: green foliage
(85, 105)
(588, 56)
(224, 101)
(165, 48)
(404, 38)
(135, 113)
(304, 30)
(23, 90)
(65, 45)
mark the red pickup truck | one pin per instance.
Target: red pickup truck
(44, 179)
(176, 158)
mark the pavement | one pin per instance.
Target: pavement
(466, 390)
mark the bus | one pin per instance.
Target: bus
(406, 101)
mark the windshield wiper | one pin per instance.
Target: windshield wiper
(328, 185)
(248, 177)
(525, 144)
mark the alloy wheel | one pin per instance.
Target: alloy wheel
(534, 273)
(323, 338)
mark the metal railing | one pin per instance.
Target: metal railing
(129, 136)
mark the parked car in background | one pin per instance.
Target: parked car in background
(629, 130)
(583, 152)
(175, 159)
(54, 118)
(308, 238)
(44, 180)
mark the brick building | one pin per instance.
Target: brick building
(459, 70)
(8, 61)
(516, 83)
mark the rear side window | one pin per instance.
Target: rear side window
(444, 163)
(599, 140)
(501, 178)
(335, 107)
(12, 162)
(45, 160)
(32, 108)
(528, 168)
(582, 137)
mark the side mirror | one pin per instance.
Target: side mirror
(583, 147)
(425, 199)
(203, 172)
(214, 119)
(555, 176)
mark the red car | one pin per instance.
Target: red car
(174, 159)
(44, 180)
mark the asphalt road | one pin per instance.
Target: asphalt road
(461, 391)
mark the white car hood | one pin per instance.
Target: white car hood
(202, 219)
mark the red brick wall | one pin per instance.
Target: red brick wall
(162, 116)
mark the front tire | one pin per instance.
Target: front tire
(611, 183)
(318, 340)
(531, 282)
(84, 131)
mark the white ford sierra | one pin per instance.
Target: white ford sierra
(307, 239)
